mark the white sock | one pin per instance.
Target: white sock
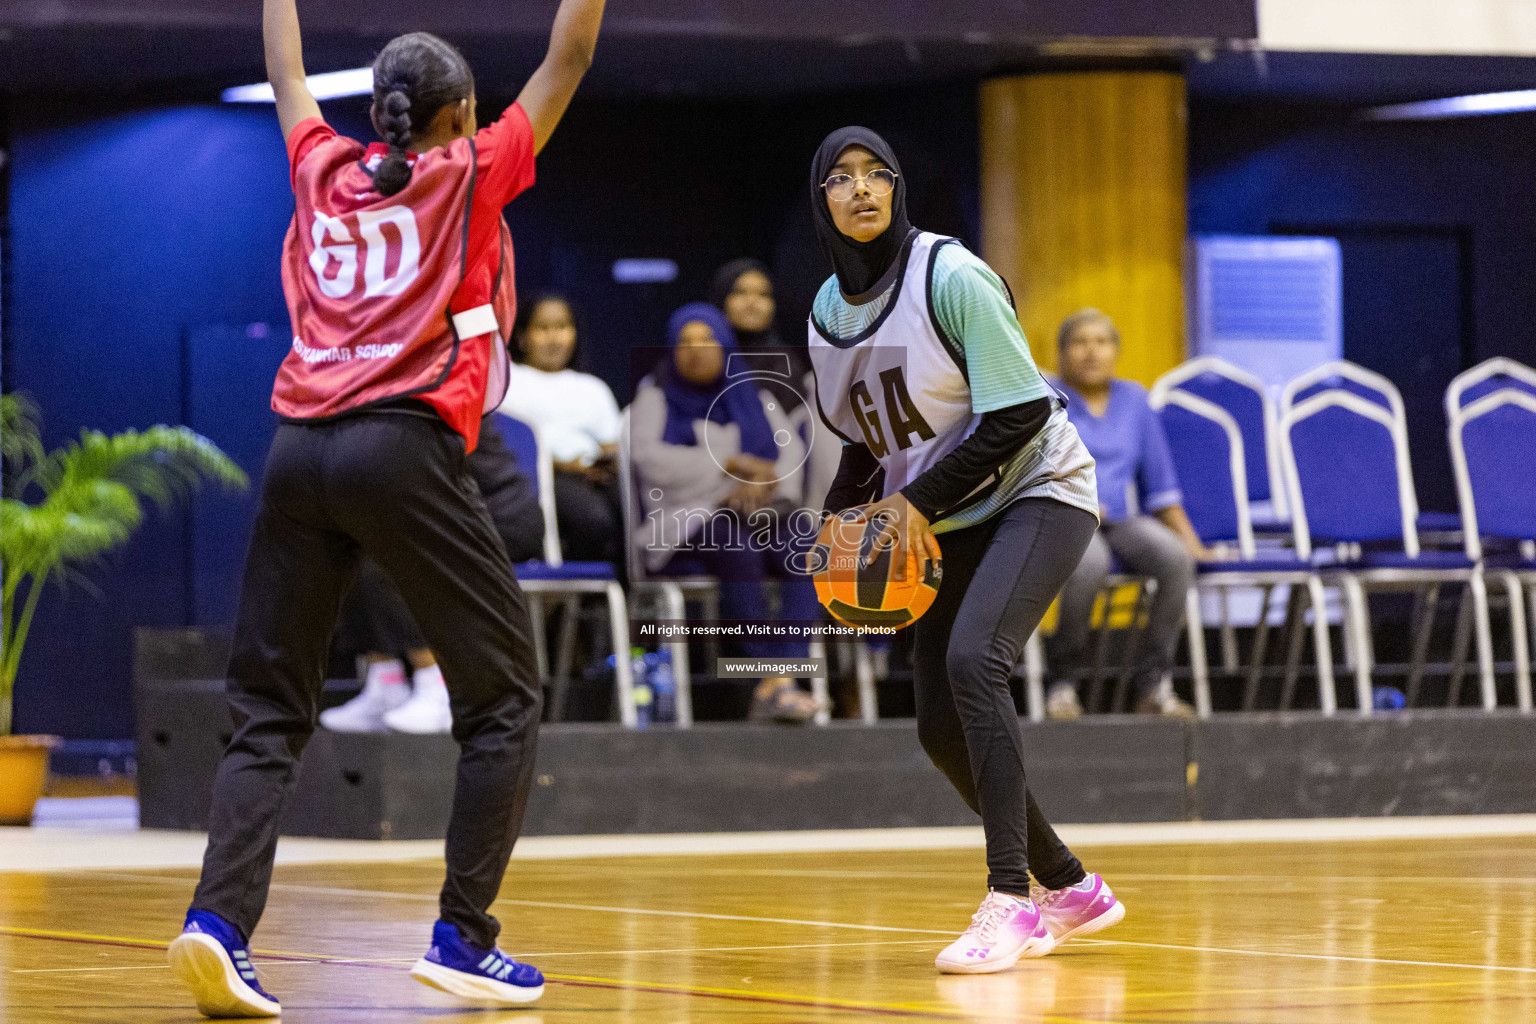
(385, 673)
(1085, 885)
(428, 680)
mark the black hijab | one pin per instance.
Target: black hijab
(720, 288)
(859, 265)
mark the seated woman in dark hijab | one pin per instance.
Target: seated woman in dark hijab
(743, 290)
(718, 468)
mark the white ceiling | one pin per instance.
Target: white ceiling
(1464, 27)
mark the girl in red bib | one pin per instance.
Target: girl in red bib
(397, 271)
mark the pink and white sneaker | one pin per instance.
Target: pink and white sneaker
(1079, 910)
(1004, 931)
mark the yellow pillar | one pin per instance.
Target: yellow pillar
(1083, 204)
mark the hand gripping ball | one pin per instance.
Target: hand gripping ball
(859, 579)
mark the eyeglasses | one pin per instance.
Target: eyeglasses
(879, 182)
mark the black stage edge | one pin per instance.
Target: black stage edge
(599, 779)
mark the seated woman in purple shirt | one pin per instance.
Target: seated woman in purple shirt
(1141, 514)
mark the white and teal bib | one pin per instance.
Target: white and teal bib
(891, 375)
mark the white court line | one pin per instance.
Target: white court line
(55, 849)
(1307, 956)
(923, 931)
(266, 963)
(597, 908)
(263, 961)
(1312, 881)
(724, 917)
(411, 897)
(1117, 877)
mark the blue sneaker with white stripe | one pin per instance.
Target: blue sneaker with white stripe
(211, 958)
(481, 975)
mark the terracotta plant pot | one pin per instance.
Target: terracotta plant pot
(23, 773)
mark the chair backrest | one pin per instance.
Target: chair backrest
(629, 500)
(1208, 455)
(534, 459)
(1343, 375)
(1492, 439)
(1247, 401)
(1485, 378)
(1348, 472)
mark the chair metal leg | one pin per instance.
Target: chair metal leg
(818, 649)
(1034, 677)
(1426, 604)
(623, 678)
(1484, 634)
(1229, 657)
(1295, 616)
(1140, 610)
(1530, 618)
(570, 610)
(1328, 697)
(864, 678)
(1096, 683)
(1358, 614)
(1459, 648)
(1521, 638)
(1347, 632)
(1260, 649)
(674, 606)
(536, 618)
(711, 603)
(1197, 665)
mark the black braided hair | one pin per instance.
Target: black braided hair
(415, 76)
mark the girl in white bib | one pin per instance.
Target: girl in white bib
(948, 427)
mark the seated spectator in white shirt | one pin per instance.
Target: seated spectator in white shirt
(577, 420)
(743, 289)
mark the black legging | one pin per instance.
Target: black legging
(375, 618)
(999, 578)
(591, 519)
(396, 488)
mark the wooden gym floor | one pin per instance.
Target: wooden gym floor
(1423, 930)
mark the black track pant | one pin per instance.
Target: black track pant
(999, 578)
(396, 488)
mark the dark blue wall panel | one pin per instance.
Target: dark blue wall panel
(1257, 169)
(128, 232)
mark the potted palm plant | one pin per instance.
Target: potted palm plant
(60, 511)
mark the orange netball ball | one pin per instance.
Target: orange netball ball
(882, 593)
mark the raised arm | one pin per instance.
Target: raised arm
(285, 63)
(571, 44)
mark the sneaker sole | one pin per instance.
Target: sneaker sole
(1114, 915)
(1037, 946)
(343, 725)
(203, 965)
(467, 986)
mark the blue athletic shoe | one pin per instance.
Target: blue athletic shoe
(481, 975)
(211, 958)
